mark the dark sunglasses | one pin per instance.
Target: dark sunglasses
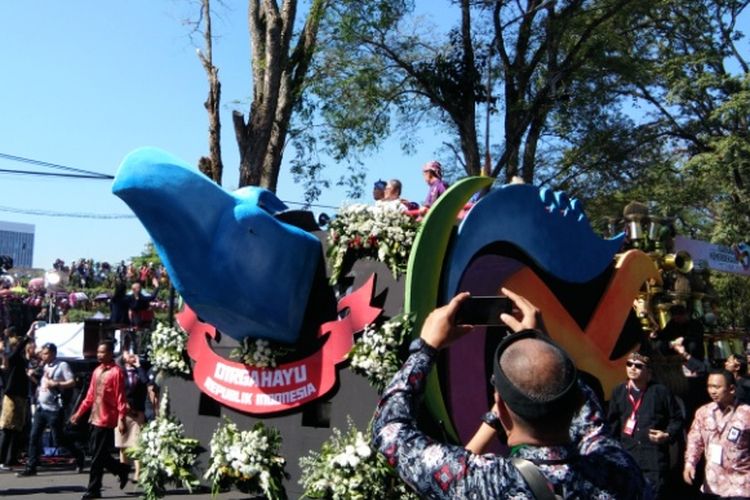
(634, 364)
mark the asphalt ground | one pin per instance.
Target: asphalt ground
(61, 481)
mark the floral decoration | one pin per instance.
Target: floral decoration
(260, 353)
(166, 455)
(348, 468)
(248, 459)
(370, 231)
(167, 350)
(376, 352)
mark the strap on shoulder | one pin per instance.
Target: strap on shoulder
(537, 483)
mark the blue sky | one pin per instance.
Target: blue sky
(85, 82)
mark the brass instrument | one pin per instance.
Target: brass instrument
(642, 308)
(636, 214)
(662, 313)
(680, 261)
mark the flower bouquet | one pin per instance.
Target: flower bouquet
(260, 353)
(346, 468)
(166, 455)
(376, 352)
(248, 459)
(370, 231)
(167, 350)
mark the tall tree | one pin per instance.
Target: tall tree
(211, 165)
(703, 103)
(375, 65)
(280, 60)
(688, 151)
(544, 47)
(520, 59)
(279, 71)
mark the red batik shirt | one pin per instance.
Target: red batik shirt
(105, 397)
(724, 438)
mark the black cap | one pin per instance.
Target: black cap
(519, 402)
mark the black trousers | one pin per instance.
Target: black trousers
(101, 443)
(9, 446)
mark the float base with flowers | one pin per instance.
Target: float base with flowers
(288, 351)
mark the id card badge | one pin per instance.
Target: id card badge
(714, 453)
(629, 426)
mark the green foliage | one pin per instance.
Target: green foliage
(166, 455)
(377, 353)
(250, 459)
(734, 297)
(360, 231)
(167, 350)
(344, 112)
(347, 468)
(148, 255)
(260, 353)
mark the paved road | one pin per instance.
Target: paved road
(63, 483)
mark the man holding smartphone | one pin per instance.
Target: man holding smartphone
(56, 377)
(554, 425)
(645, 417)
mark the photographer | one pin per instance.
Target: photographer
(553, 423)
(56, 377)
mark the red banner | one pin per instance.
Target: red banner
(269, 390)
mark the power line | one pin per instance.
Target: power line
(84, 174)
(88, 174)
(54, 174)
(75, 215)
(82, 215)
(309, 204)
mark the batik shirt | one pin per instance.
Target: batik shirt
(724, 438)
(592, 466)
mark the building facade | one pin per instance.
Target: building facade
(17, 242)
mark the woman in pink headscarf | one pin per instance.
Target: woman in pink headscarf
(433, 176)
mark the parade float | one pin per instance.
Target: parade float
(278, 336)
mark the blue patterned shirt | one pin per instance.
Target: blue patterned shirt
(592, 466)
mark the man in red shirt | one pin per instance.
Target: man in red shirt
(106, 400)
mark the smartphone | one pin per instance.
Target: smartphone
(479, 310)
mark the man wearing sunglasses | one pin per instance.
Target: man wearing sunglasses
(554, 425)
(646, 418)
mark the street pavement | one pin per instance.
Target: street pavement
(63, 483)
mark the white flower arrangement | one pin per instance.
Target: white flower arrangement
(167, 350)
(166, 455)
(248, 459)
(348, 468)
(371, 231)
(260, 353)
(376, 352)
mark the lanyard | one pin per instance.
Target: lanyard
(635, 404)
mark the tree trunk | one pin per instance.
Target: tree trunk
(278, 77)
(467, 125)
(211, 165)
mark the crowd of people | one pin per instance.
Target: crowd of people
(83, 410)
(562, 444)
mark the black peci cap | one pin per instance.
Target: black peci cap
(520, 403)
